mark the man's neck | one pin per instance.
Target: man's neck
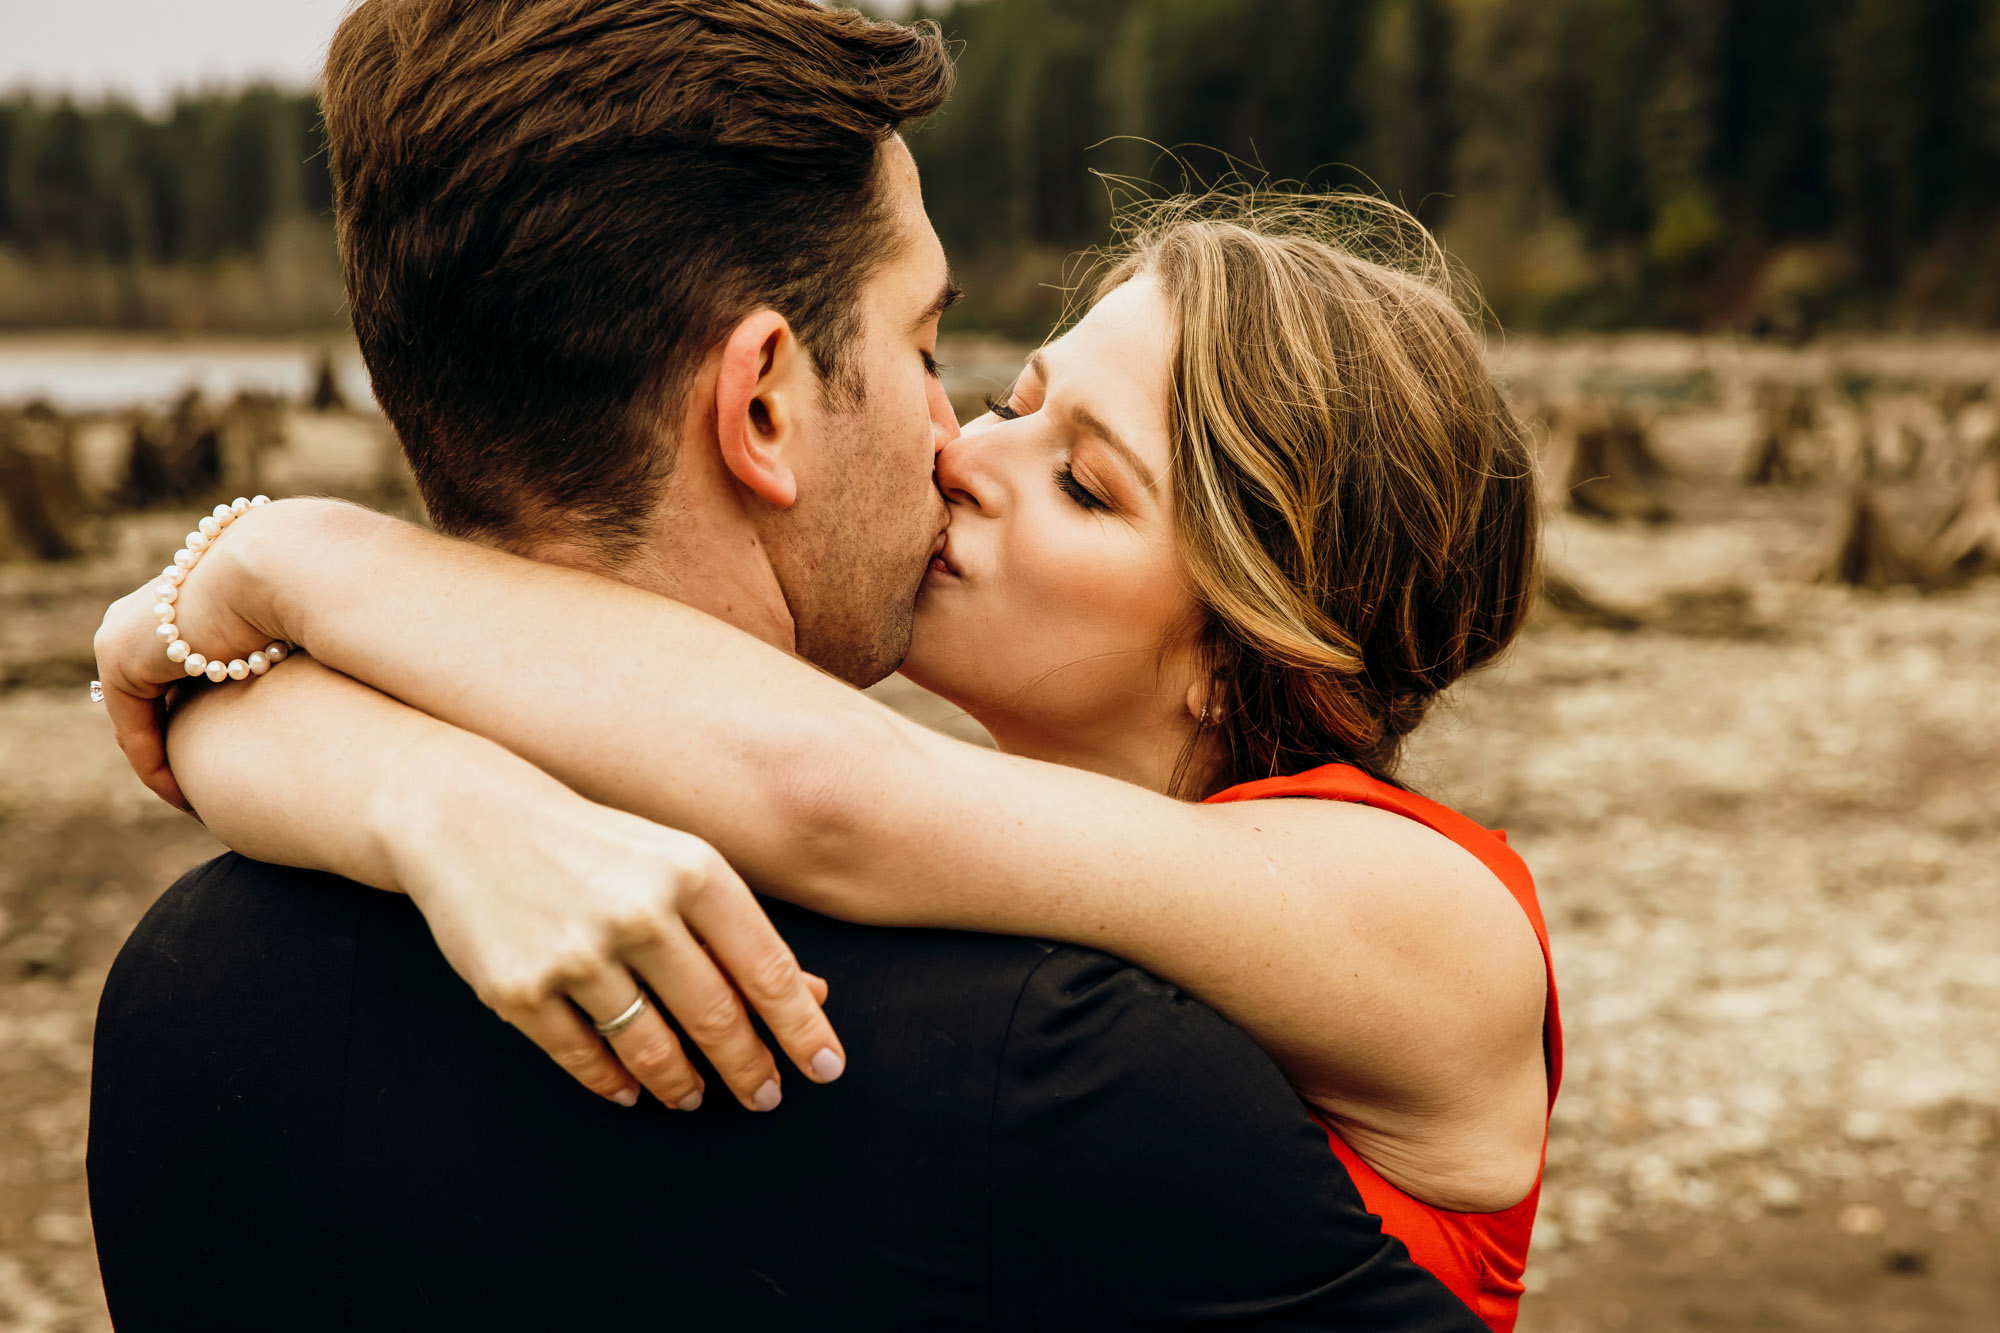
(705, 554)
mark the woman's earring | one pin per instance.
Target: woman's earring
(1204, 691)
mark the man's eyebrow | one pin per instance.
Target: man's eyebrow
(947, 297)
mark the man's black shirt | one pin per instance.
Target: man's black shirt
(301, 1118)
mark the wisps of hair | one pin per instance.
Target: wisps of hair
(1355, 499)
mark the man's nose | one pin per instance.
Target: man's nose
(944, 422)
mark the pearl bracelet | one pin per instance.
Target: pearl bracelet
(168, 591)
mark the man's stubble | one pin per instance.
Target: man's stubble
(861, 544)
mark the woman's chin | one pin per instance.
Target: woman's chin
(935, 663)
(920, 671)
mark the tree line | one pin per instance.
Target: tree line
(206, 179)
(1593, 162)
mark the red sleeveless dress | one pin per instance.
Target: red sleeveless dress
(1480, 1256)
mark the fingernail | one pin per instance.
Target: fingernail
(626, 1096)
(827, 1065)
(767, 1097)
(691, 1102)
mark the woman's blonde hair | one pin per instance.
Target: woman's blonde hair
(1356, 501)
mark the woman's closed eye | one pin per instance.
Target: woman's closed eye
(1076, 490)
(1084, 497)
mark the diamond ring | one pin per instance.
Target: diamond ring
(97, 691)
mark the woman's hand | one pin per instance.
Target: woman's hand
(132, 663)
(549, 904)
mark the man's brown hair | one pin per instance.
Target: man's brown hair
(548, 210)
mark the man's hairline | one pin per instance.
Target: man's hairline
(678, 400)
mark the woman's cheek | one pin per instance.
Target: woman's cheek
(1094, 582)
(1057, 566)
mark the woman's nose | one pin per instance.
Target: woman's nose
(960, 474)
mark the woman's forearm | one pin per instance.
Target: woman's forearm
(313, 769)
(1277, 913)
(517, 877)
(633, 700)
(1382, 967)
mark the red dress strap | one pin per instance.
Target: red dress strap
(1480, 1256)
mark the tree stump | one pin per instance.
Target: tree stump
(326, 395)
(1772, 464)
(1562, 599)
(175, 459)
(1787, 412)
(38, 516)
(1969, 543)
(1612, 468)
(1868, 553)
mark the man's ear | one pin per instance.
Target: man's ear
(762, 387)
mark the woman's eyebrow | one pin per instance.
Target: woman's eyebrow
(1094, 424)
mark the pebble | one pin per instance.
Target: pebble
(62, 1229)
(1862, 1219)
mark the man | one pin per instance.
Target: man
(646, 287)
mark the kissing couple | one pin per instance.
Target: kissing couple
(1177, 1011)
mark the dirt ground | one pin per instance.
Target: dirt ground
(1766, 825)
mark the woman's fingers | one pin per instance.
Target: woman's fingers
(709, 1011)
(644, 1044)
(735, 930)
(126, 648)
(556, 1027)
(135, 725)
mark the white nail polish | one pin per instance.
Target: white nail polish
(691, 1102)
(767, 1097)
(827, 1066)
(626, 1097)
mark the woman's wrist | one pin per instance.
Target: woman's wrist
(407, 815)
(443, 782)
(279, 554)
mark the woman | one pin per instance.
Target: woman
(1222, 543)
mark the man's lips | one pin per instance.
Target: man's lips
(941, 557)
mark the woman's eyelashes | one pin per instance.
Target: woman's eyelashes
(934, 367)
(1076, 490)
(1066, 481)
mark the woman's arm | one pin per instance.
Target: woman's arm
(313, 769)
(1382, 966)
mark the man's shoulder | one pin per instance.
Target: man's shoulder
(229, 910)
(1153, 1167)
(1088, 1027)
(1039, 1001)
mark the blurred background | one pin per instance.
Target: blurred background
(1742, 264)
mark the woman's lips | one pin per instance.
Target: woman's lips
(941, 558)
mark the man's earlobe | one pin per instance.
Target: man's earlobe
(760, 385)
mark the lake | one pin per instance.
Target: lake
(109, 372)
